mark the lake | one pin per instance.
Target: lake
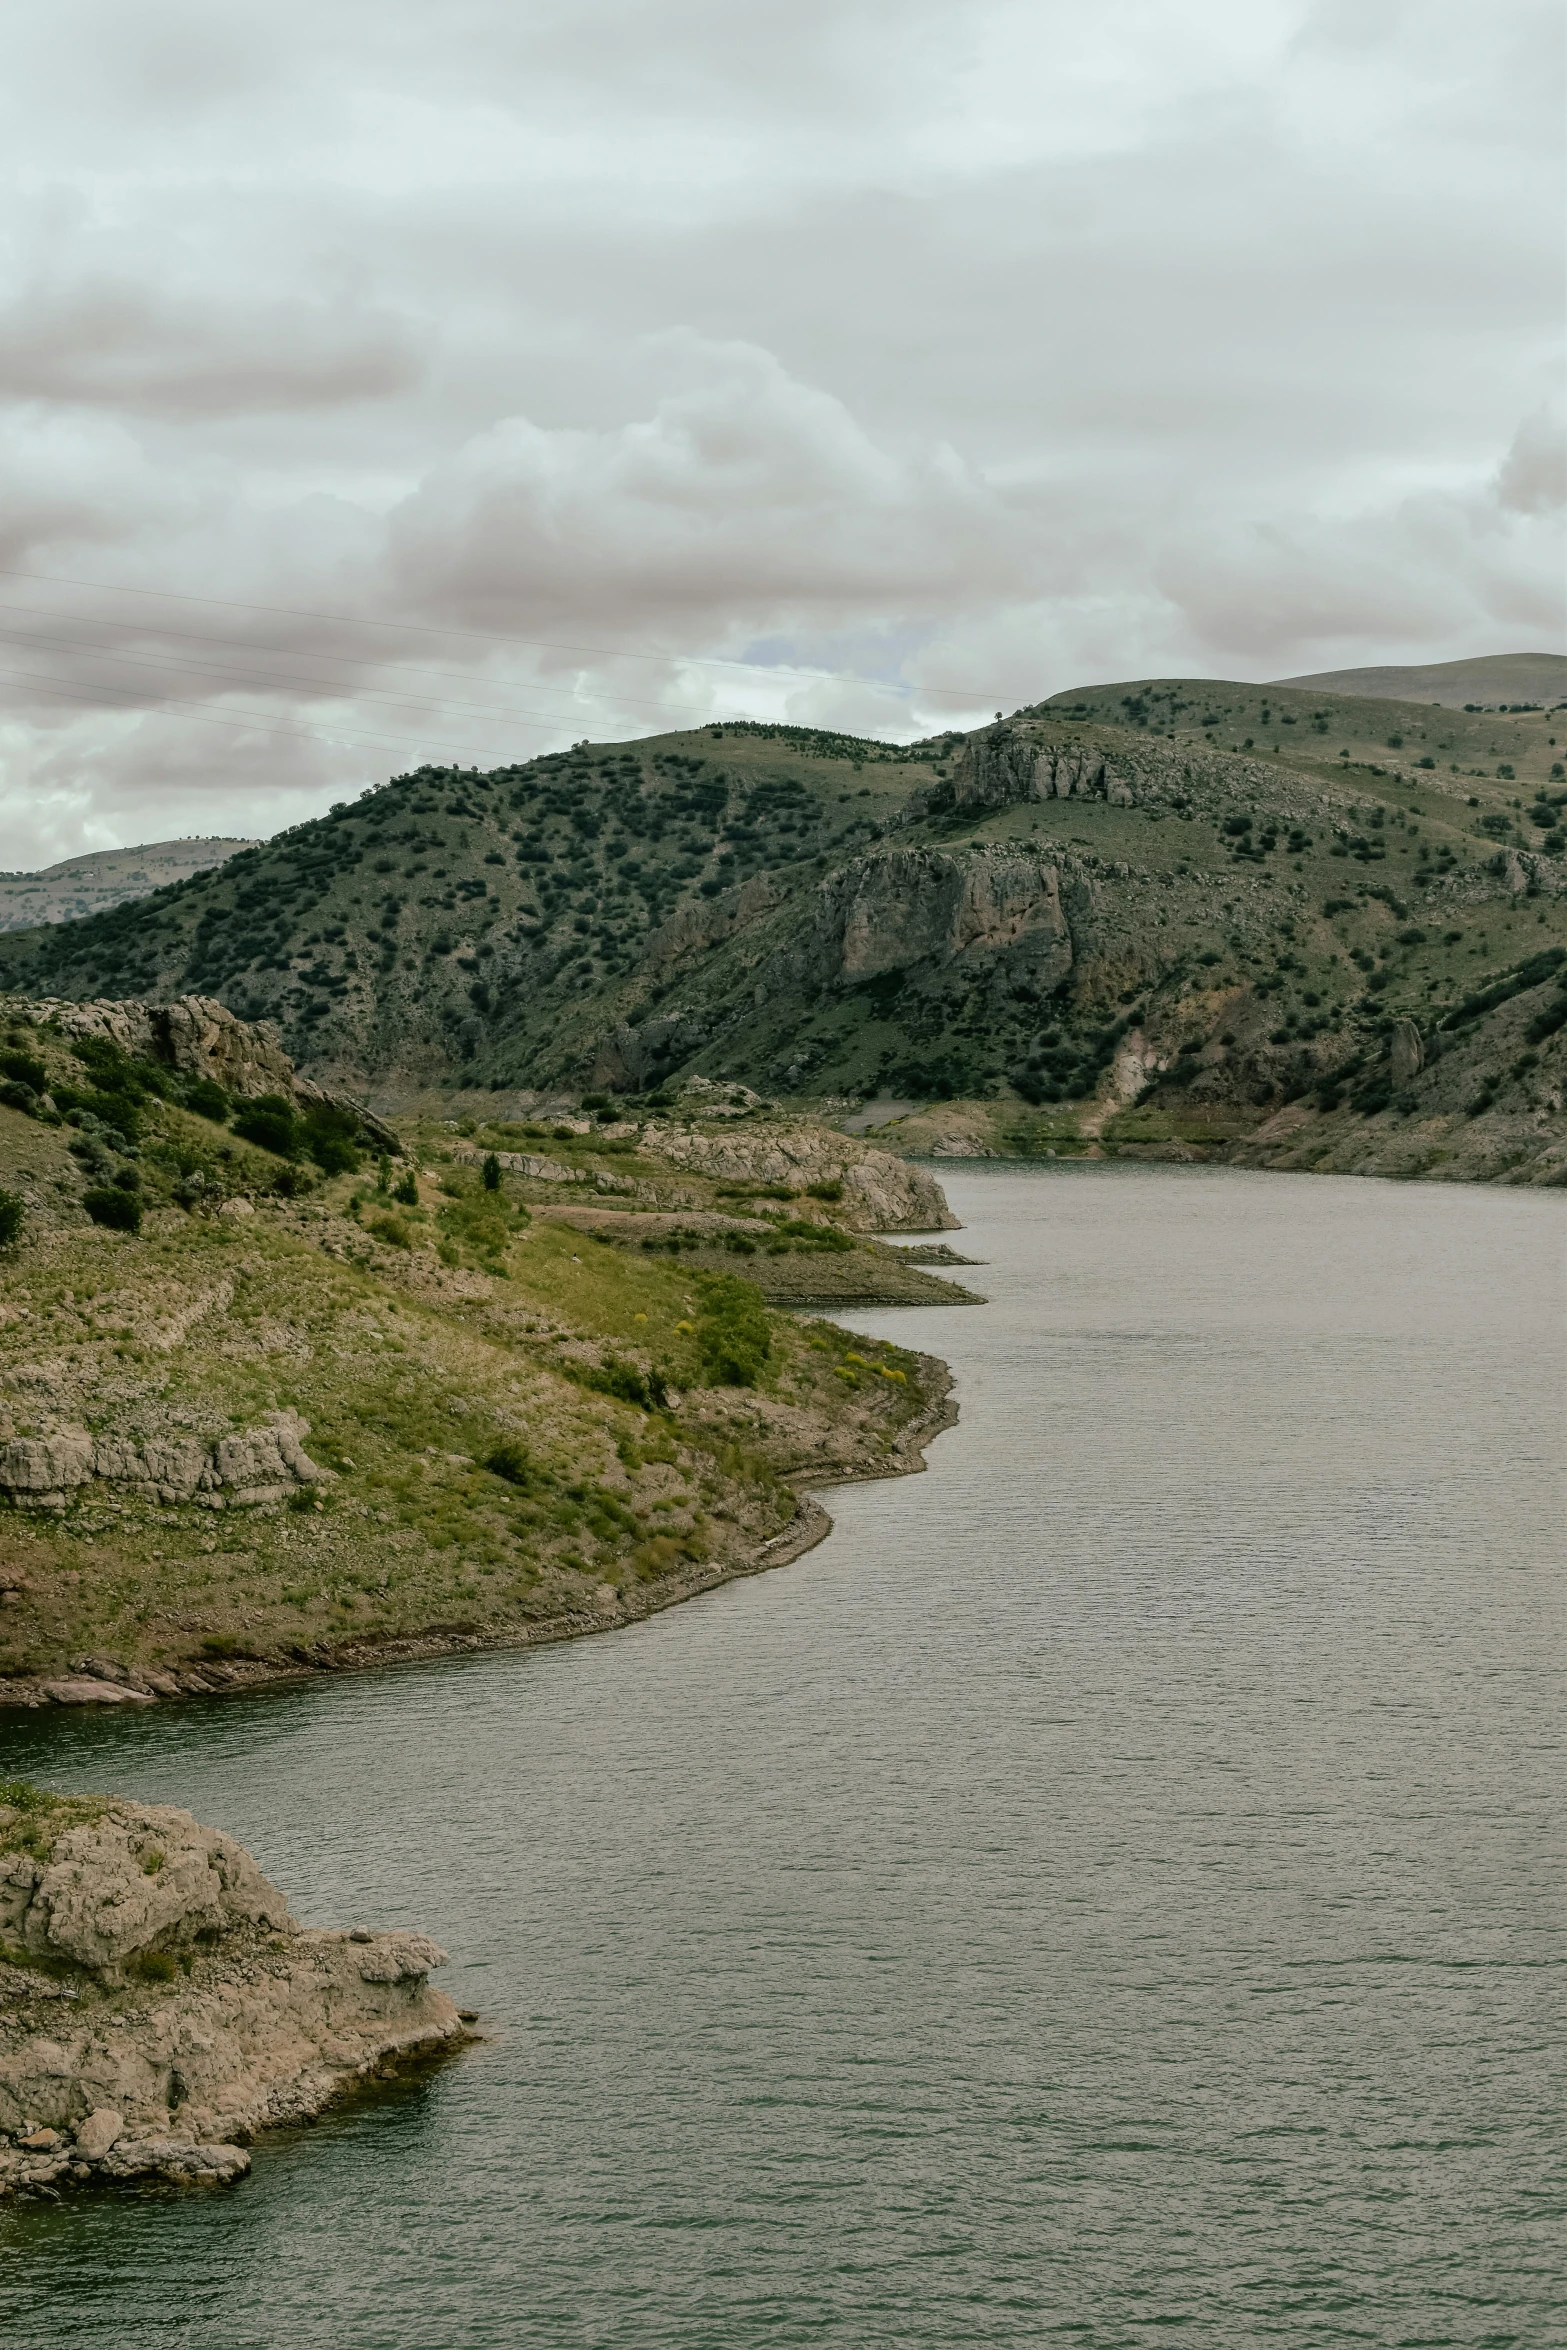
(1112, 1891)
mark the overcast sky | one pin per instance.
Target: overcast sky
(470, 378)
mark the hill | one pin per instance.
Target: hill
(1500, 681)
(270, 1403)
(1208, 900)
(103, 878)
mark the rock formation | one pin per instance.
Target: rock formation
(254, 1465)
(159, 2005)
(881, 1193)
(200, 1037)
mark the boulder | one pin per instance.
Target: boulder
(97, 2133)
(140, 1877)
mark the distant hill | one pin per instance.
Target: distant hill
(1498, 682)
(106, 877)
(1213, 898)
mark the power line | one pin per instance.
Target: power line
(970, 700)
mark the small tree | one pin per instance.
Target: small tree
(492, 1173)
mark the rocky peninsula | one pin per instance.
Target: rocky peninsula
(159, 2004)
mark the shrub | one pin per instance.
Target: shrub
(732, 1333)
(491, 1173)
(17, 1096)
(645, 1389)
(392, 1230)
(208, 1099)
(119, 1210)
(269, 1122)
(510, 1461)
(831, 1190)
(406, 1190)
(13, 1214)
(22, 1069)
(329, 1137)
(155, 1966)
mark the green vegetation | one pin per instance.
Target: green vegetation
(820, 917)
(514, 1423)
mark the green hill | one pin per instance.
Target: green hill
(1186, 895)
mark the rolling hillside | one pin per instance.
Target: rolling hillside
(1497, 681)
(1205, 899)
(102, 878)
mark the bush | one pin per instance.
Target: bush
(13, 1213)
(392, 1230)
(645, 1389)
(156, 1966)
(329, 1137)
(732, 1333)
(208, 1099)
(511, 1462)
(269, 1122)
(830, 1190)
(119, 1210)
(17, 1096)
(22, 1069)
(406, 1190)
(491, 1173)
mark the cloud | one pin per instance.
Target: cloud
(747, 501)
(928, 359)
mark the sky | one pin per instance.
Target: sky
(383, 382)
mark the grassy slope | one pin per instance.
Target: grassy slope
(417, 1341)
(106, 877)
(1494, 679)
(496, 930)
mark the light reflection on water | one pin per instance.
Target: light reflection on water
(1113, 1887)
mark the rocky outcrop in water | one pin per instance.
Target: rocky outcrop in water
(159, 2005)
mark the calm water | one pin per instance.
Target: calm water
(1111, 1892)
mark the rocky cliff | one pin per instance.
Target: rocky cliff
(159, 2005)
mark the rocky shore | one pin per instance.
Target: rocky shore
(159, 2005)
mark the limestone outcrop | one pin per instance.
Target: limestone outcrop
(199, 1037)
(1010, 763)
(249, 1467)
(159, 2005)
(884, 912)
(880, 1193)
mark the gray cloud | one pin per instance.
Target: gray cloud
(973, 352)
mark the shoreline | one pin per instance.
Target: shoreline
(810, 1525)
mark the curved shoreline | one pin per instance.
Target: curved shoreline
(810, 1525)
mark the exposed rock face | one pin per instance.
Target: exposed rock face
(1406, 1053)
(200, 1037)
(1007, 764)
(882, 913)
(108, 2074)
(706, 922)
(139, 1877)
(881, 1193)
(255, 1465)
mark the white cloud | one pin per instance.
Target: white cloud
(977, 352)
